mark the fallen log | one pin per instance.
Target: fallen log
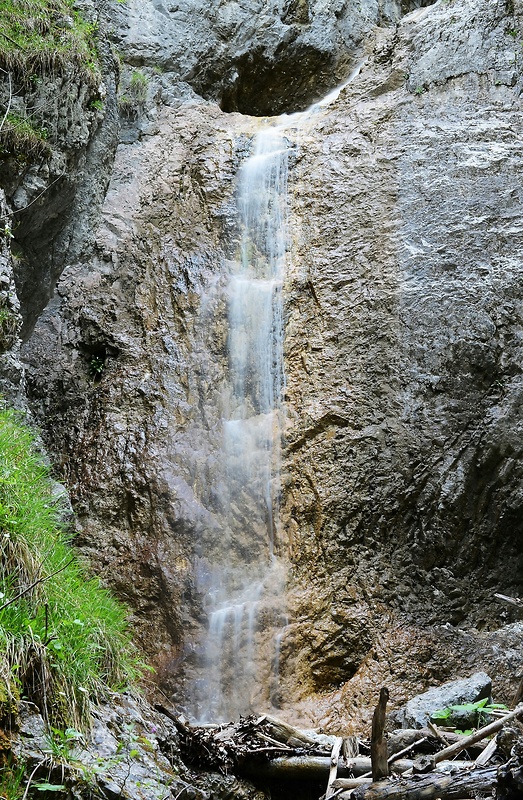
(311, 767)
(319, 767)
(285, 733)
(445, 766)
(457, 786)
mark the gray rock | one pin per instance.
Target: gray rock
(403, 351)
(255, 57)
(417, 712)
(130, 752)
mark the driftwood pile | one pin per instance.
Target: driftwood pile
(406, 765)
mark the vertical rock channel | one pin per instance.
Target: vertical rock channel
(244, 582)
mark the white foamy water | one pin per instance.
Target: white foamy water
(245, 591)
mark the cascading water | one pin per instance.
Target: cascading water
(243, 578)
(244, 616)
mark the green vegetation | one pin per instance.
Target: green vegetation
(96, 366)
(20, 137)
(63, 638)
(470, 712)
(9, 327)
(133, 99)
(11, 781)
(43, 37)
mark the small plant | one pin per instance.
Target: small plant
(20, 137)
(9, 328)
(96, 366)
(419, 90)
(469, 712)
(138, 86)
(11, 780)
(133, 99)
(61, 742)
(97, 105)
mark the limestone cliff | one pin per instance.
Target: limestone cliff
(401, 499)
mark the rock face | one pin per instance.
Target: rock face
(56, 154)
(404, 343)
(402, 476)
(257, 57)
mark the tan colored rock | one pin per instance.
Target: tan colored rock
(401, 478)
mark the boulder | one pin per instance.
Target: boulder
(416, 713)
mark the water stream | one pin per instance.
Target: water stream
(245, 587)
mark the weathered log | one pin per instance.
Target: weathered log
(343, 784)
(318, 767)
(311, 767)
(460, 785)
(336, 750)
(378, 743)
(445, 766)
(283, 732)
(477, 736)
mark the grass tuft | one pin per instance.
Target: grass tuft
(63, 637)
(19, 137)
(46, 36)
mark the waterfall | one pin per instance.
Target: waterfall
(244, 586)
(244, 577)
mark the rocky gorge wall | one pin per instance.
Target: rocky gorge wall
(401, 475)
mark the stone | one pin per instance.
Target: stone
(401, 473)
(131, 752)
(253, 57)
(418, 711)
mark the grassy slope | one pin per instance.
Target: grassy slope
(40, 39)
(44, 35)
(63, 640)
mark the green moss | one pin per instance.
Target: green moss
(9, 699)
(61, 632)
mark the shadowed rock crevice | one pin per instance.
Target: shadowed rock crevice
(258, 58)
(294, 79)
(300, 70)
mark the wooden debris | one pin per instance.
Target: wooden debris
(512, 602)
(486, 754)
(312, 767)
(350, 747)
(378, 743)
(336, 750)
(463, 784)
(265, 749)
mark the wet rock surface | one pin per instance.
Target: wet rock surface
(401, 505)
(130, 752)
(403, 378)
